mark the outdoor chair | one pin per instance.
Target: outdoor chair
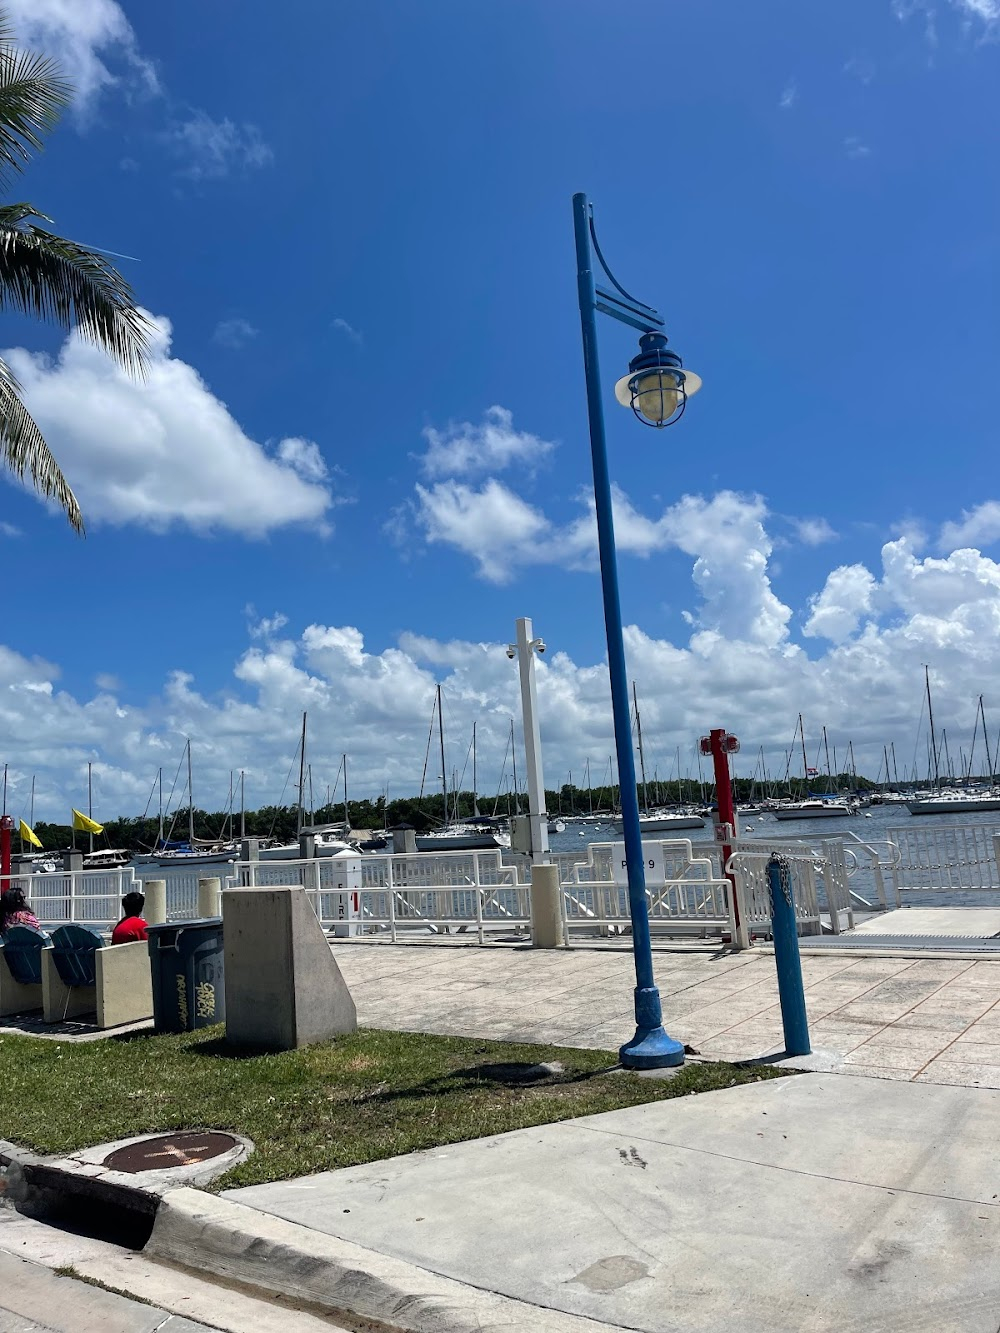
(21, 970)
(83, 975)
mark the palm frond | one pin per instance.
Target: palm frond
(23, 449)
(51, 278)
(33, 94)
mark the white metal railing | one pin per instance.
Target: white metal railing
(960, 857)
(400, 893)
(748, 863)
(88, 897)
(684, 893)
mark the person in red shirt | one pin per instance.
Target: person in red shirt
(131, 926)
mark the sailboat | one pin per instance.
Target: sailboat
(326, 837)
(658, 820)
(813, 807)
(197, 851)
(478, 832)
(949, 801)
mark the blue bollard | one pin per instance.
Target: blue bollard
(786, 957)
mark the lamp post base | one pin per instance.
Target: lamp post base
(651, 1048)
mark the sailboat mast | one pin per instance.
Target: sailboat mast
(31, 814)
(90, 798)
(444, 771)
(826, 746)
(513, 764)
(642, 757)
(243, 806)
(805, 761)
(159, 826)
(347, 817)
(190, 800)
(302, 773)
(590, 790)
(930, 715)
(475, 799)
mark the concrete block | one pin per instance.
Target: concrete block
(15, 998)
(60, 1001)
(546, 907)
(124, 984)
(283, 987)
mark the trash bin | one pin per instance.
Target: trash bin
(186, 959)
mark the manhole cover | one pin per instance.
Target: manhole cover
(168, 1150)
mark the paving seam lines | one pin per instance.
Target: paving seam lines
(875, 986)
(789, 1170)
(953, 1040)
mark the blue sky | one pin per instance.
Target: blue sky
(366, 412)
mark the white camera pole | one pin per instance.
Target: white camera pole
(526, 648)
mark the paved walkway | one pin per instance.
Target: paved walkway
(792, 1206)
(927, 1020)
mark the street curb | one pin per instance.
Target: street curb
(238, 1243)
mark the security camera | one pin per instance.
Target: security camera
(511, 651)
(540, 645)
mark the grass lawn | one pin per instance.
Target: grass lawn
(357, 1099)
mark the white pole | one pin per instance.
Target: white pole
(537, 815)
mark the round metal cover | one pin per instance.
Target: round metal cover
(166, 1150)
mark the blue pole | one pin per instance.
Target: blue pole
(787, 960)
(651, 1047)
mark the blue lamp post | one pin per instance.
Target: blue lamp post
(657, 389)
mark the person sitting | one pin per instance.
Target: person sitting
(131, 927)
(14, 911)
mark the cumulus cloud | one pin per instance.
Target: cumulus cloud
(789, 96)
(813, 531)
(836, 612)
(165, 451)
(465, 449)
(208, 149)
(374, 700)
(493, 525)
(92, 40)
(234, 333)
(977, 527)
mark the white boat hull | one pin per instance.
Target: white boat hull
(815, 812)
(954, 807)
(665, 823)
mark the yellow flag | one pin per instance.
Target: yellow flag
(29, 835)
(84, 825)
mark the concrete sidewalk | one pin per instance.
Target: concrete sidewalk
(810, 1203)
(927, 1020)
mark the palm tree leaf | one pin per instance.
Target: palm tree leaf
(51, 278)
(24, 450)
(33, 95)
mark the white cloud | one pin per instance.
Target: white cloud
(855, 148)
(977, 527)
(9, 530)
(861, 67)
(837, 611)
(465, 450)
(789, 96)
(374, 701)
(234, 333)
(209, 149)
(164, 451)
(91, 39)
(813, 531)
(104, 680)
(492, 525)
(348, 330)
(304, 457)
(503, 533)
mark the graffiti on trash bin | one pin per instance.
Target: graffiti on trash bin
(182, 1001)
(204, 1000)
